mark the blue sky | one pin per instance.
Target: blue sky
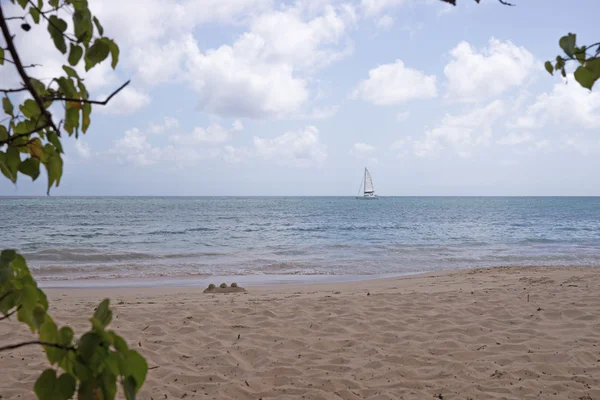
(255, 97)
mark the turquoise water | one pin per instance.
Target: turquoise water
(129, 237)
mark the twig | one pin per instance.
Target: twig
(11, 18)
(15, 137)
(43, 14)
(157, 366)
(10, 313)
(17, 345)
(89, 101)
(13, 51)
(5, 295)
(506, 3)
(13, 90)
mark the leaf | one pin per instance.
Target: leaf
(567, 43)
(34, 146)
(30, 167)
(585, 77)
(96, 53)
(38, 85)
(85, 123)
(71, 73)
(593, 66)
(56, 27)
(53, 3)
(75, 54)
(22, 3)
(549, 67)
(66, 386)
(65, 336)
(1, 56)
(82, 24)
(54, 165)
(7, 106)
(119, 343)
(103, 313)
(35, 14)
(49, 333)
(3, 134)
(45, 385)
(30, 109)
(71, 119)
(53, 138)
(129, 388)
(136, 367)
(98, 26)
(114, 53)
(9, 163)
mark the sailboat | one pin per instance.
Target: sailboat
(368, 191)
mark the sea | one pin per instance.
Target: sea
(191, 239)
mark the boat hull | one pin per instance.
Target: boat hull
(367, 197)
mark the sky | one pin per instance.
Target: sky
(258, 97)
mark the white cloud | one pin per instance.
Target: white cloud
(386, 22)
(235, 155)
(127, 101)
(302, 148)
(169, 124)
(83, 149)
(479, 75)
(394, 84)
(513, 139)
(463, 133)
(567, 105)
(376, 7)
(363, 151)
(214, 133)
(237, 125)
(402, 116)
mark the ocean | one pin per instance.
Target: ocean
(86, 238)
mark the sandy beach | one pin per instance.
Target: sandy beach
(502, 333)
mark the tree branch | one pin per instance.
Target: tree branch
(13, 90)
(10, 313)
(13, 51)
(15, 137)
(43, 14)
(103, 103)
(5, 295)
(11, 18)
(17, 345)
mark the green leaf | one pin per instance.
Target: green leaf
(580, 54)
(103, 313)
(49, 333)
(71, 119)
(1, 55)
(65, 336)
(56, 28)
(85, 122)
(82, 23)
(136, 367)
(35, 14)
(129, 385)
(9, 163)
(563, 72)
(3, 133)
(54, 165)
(30, 109)
(30, 167)
(45, 385)
(22, 3)
(66, 386)
(7, 106)
(593, 66)
(53, 3)
(96, 53)
(53, 138)
(585, 77)
(39, 315)
(75, 54)
(549, 67)
(567, 43)
(99, 27)
(71, 73)
(114, 53)
(67, 87)
(39, 87)
(119, 343)
(35, 149)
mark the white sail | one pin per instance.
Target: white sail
(368, 182)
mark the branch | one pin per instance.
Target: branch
(11, 18)
(506, 3)
(43, 14)
(10, 313)
(13, 90)
(5, 295)
(103, 103)
(13, 51)
(17, 345)
(15, 137)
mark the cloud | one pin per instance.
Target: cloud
(463, 133)
(235, 155)
(169, 124)
(567, 105)
(375, 7)
(474, 75)
(82, 149)
(301, 148)
(386, 22)
(127, 101)
(513, 139)
(363, 151)
(394, 83)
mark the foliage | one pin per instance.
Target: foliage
(223, 285)
(588, 71)
(29, 138)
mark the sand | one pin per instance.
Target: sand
(461, 335)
